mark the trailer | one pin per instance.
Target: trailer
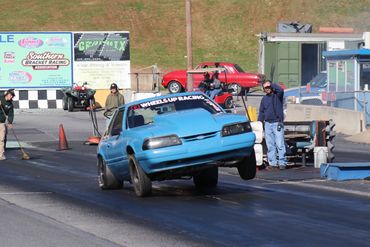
(295, 58)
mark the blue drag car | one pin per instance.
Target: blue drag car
(174, 136)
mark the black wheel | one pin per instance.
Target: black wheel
(229, 103)
(207, 178)
(106, 179)
(174, 87)
(235, 88)
(65, 103)
(71, 104)
(304, 159)
(247, 167)
(141, 182)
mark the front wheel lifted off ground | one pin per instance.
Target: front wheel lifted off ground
(206, 178)
(247, 167)
(141, 182)
(106, 178)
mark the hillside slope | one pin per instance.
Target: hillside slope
(222, 30)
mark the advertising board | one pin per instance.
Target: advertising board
(36, 59)
(101, 58)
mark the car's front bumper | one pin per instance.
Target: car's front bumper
(195, 153)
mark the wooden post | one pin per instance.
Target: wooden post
(189, 83)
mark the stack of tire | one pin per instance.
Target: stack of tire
(257, 128)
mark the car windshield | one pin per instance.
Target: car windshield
(238, 68)
(319, 80)
(144, 113)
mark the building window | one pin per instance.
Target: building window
(364, 74)
(332, 76)
(350, 76)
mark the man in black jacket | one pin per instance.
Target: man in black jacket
(271, 113)
(6, 112)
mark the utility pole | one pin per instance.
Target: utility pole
(189, 53)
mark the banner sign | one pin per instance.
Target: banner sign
(35, 60)
(101, 46)
(102, 58)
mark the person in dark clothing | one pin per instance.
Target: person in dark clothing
(206, 83)
(272, 114)
(6, 113)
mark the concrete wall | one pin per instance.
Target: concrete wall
(348, 122)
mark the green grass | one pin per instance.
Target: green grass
(222, 30)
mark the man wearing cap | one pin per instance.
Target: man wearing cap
(6, 113)
(272, 114)
(114, 100)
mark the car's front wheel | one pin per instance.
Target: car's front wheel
(174, 87)
(206, 178)
(247, 167)
(106, 179)
(141, 182)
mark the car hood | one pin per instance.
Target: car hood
(175, 72)
(190, 122)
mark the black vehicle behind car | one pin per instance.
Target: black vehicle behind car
(78, 96)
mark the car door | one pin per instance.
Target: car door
(116, 143)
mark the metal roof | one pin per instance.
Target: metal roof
(346, 53)
(313, 37)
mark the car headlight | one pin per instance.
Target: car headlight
(235, 129)
(160, 142)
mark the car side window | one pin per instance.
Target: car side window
(116, 124)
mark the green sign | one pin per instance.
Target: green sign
(36, 60)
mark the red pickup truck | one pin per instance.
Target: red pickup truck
(234, 76)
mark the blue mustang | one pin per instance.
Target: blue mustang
(174, 136)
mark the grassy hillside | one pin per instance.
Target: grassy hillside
(222, 30)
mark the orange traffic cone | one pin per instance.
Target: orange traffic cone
(63, 144)
(92, 140)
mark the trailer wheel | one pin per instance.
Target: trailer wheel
(229, 103)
